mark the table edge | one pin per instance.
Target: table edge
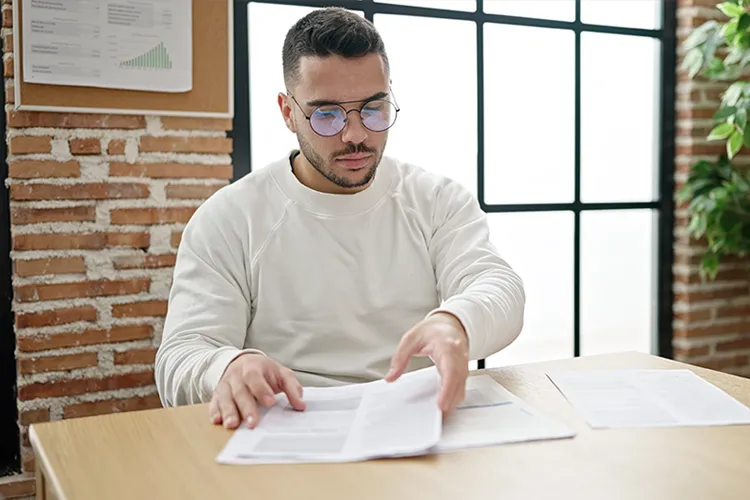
(43, 464)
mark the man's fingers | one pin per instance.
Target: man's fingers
(453, 374)
(245, 402)
(261, 390)
(213, 410)
(410, 345)
(229, 414)
(292, 388)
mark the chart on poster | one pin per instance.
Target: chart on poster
(124, 44)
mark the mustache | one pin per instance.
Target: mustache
(353, 149)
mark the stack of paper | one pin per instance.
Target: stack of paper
(648, 398)
(380, 419)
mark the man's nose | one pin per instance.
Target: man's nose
(354, 131)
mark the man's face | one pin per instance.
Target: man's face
(348, 159)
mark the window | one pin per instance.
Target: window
(565, 137)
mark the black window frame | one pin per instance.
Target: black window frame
(663, 206)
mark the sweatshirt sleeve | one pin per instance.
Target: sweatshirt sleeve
(474, 282)
(209, 307)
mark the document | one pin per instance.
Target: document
(345, 424)
(648, 398)
(492, 415)
(126, 44)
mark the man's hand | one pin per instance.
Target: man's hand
(252, 379)
(444, 340)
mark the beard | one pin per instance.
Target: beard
(324, 167)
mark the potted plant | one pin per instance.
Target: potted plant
(719, 192)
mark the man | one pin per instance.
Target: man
(334, 264)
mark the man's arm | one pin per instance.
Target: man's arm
(209, 307)
(474, 283)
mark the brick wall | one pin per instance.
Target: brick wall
(97, 204)
(712, 319)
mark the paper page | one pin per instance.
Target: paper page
(342, 424)
(126, 44)
(648, 398)
(491, 415)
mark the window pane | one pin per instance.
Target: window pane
(465, 5)
(618, 280)
(529, 114)
(560, 10)
(539, 246)
(434, 82)
(645, 14)
(267, 27)
(619, 113)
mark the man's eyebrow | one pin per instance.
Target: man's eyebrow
(323, 102)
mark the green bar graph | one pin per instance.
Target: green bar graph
(156, 58)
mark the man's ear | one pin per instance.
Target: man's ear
(286, 112)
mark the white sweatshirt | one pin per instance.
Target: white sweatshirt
(327, 284)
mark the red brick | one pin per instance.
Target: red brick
(212, 145)
(10, 92)
(85, 146)
(701, 149)
(85, 385)
(695, 113)
(8, 68)
(151, 215)
(127, 333)
(30, 144)
(112, 406)
(724, 362)
(41, 364)
(36, 169)
(28, 459)
(80, 241)
(7, 18)
(56, 317)
(8, 43)
(699, 315)
(22, 215)
(34, 416)
(23, 119)
(705, 331)
(21, 485)
(145, 356)
(151, 308)
(170, 170)
(81, 289)
(724, 293)
(734, 345)
(691, 351)
(116, 147)
(183, 123)
(191, 191)
(723, 275)
(176, 238)
(82, 191)
(50, 265)
(148, 261)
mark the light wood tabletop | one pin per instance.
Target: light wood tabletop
(170, 453)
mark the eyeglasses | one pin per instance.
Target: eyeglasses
(328, 120)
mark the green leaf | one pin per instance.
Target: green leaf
(733, 94)
(734, 144)
(741, 119)
(709, 265)
(730, 30)
(721, 131)
(730, 9)
(735, 55)
(744, 22)
(746, 138)
(724, 113)
(693, 62)
(700, 34)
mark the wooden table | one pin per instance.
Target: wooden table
(169, 453)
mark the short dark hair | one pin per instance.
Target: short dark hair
(327, 32)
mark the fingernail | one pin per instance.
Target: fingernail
(390, 373)
(230, 422)
(215, 418)
(250, 421)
